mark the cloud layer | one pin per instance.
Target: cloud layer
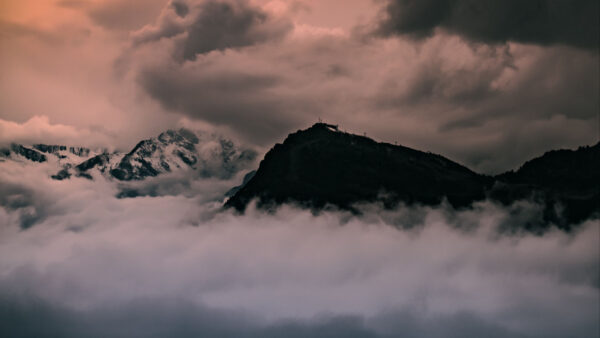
(39, 129)
(543, 22)
(475, 86)
(95, 265)
(471, 102)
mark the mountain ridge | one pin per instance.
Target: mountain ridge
(208, 154)
(322, 166)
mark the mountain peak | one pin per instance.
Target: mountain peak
(181, 135)
(201, 153)
(322, 165)
(210, 155)
(324, 126)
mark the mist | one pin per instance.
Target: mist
(174, 263)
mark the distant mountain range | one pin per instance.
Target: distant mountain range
(206, 154)
(322, 166)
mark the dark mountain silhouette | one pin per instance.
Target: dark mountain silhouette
(235, 189)
(566, 181)
(322, 166)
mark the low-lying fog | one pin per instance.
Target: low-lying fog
(77, 262)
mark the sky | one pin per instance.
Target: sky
(488, 84)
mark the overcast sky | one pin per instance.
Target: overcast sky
(489, 84)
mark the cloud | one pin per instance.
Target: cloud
(175, 265)
(10, 30)
(65, 73)
(271, 69)
(221, 25)
(542, 22)
(216, 25)
(475, 104)
(223, 94)
(123, 15)
(512, 97)
(181, 8)
(39, 129)
(72, 3)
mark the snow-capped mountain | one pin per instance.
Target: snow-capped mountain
(59, 156)
(204, 154)
(208, 155)
(40, 152)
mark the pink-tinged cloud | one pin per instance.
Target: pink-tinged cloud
(260, 69)
(39, 129)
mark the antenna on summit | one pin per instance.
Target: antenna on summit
(320, 121)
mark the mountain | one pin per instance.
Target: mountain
(323, 166)
(209, 155)
(235, 189)
(566, 181)
(37, 152)
(28, 153)
(204, 154)
(45, 153)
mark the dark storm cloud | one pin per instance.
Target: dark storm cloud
(433, 81)
(215, 25)
(222, 25)
(538, 98)
(522, 95)
(543, 22)
(488, 106)
(562, 81)
(238, 100)
(539, 95)
(181, 8)
(458, 95)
